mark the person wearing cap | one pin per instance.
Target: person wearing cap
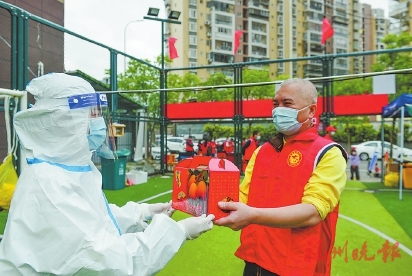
(330, 131)
(60, 222)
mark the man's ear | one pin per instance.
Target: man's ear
(312, 110)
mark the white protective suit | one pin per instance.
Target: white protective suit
(59, 223)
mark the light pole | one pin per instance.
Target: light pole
(172, 19)
(124, 37)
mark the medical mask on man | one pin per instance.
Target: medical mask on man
(285, 119)
(97, 132)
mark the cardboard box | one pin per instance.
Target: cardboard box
(136, 177)
(199, 183)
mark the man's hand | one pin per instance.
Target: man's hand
(241, 215)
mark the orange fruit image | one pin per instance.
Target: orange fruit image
(192, 190)
(201, 189)
(192, 179)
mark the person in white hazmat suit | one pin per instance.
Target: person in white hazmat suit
(59, 221)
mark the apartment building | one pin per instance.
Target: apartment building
(400, 13)
(273, 30)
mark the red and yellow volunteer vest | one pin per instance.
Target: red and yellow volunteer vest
(228, 146)
(204, 148)
(189, 147)
(213, 146)
(250, 149)
(278, 179)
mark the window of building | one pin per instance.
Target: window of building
(192, 53)
(192, 40)
(192, 64)
(224, 30)
(280, 30)
(192, 13)
(192, 27)
(223, 20)
(280, 19)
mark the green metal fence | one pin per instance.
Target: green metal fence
(31, 46)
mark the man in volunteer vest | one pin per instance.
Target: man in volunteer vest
(290, 193)
(213, 147)
(189, 146)
(228, 146)
(249, 147)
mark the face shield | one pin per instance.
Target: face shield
(99, 136)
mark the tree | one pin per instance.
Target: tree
(399, 60)
(139, 76)
(352, 87)
(258, 91)
(215, 94)
(218, 130)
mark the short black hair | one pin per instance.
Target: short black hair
(255, 132)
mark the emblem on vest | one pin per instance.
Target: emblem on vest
(294, 158)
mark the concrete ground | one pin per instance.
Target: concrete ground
(363, 172)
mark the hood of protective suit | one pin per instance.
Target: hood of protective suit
(50, 130)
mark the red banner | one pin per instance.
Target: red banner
(348, 105)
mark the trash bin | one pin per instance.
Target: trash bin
(114, 171)
(407, 175)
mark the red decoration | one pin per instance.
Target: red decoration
(172, 49)
(327, 30)
(238, 35)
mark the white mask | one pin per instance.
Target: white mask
(285, 119)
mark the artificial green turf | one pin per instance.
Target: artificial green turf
(366, 208)
(212, 252)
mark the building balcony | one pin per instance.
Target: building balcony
(312, 37)
(260, 4)
(260, 29)
(340, 19)
(223, 49)
(340, 6)
(264, 14)
(313, 71)
(399, 10)
(259, 41)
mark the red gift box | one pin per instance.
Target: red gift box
(199, 183)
